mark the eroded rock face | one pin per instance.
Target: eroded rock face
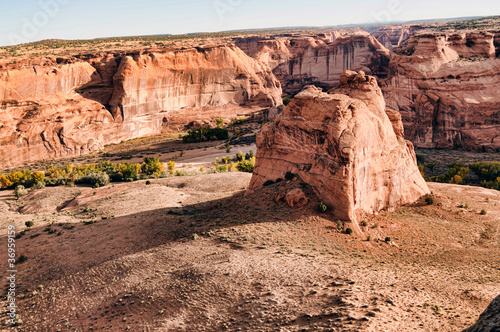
(344, 146)
(444, 84)
(66, 107)
(318, 60)
(445, 87)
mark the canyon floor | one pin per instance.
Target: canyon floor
(196, 253)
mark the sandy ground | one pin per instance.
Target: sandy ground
(197, 254)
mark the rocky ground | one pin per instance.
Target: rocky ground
(197, 254)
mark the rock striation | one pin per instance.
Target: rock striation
(317, 60)
(53, 108)
(445, 87)
(344, 146)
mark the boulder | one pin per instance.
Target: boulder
(296, 198)
(345, 148)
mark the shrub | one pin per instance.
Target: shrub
(219, 122)
(128, 171)
(387, 239)
(457, 173)
(205, 134)
(241, 120)
(220, 168)
(237, 132)
(5, 182)
(348, 231)
(29, 223)
(148, 183)
(96, 179)
(20, 191)
(246, 165)
(38, 185)
(171, 167)
(364, 224)
(340, 225)
(249, 155)
(240, 156)
(322, 207)
(483, 212)
(488, 173)
(226, 160)
(38, 177)
(179, 173)
(429, 200)
(232, 167)
(152, 166)
(202, 169)
(17, 178)
(286, 101)
(21, 259)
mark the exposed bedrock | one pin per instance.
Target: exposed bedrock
(343, 144)
(317, 60)
(445, 86)
(52, 108)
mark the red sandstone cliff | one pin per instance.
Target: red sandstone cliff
(62, 107)
(446, 87)
(443, 83)
(318, 60)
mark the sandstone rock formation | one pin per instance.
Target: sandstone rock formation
(344, 146)
(296, 198)
(489, 321)
(318, 60)
(445, 86)
(53, 108)
(442, 83)
(395, 35)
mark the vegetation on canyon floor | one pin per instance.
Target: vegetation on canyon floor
(102, 173)
(484, 174)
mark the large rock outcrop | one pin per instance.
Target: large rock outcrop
(53, 108)
(342, 144)
(445, 86)
(442, 83)
(318, 60)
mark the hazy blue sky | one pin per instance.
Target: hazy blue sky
(31, 20)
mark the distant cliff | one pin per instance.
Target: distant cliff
(443, 83)
(318, 60)
(446, 87)
(60, 107)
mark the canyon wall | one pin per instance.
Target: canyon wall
(446, 87)
(317, 60)
(443, 83)
(53, 108)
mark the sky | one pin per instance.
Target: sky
(33, 20)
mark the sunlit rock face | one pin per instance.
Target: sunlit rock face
(445, 86)
(60, 107)
(318, 60)
(343, 144)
